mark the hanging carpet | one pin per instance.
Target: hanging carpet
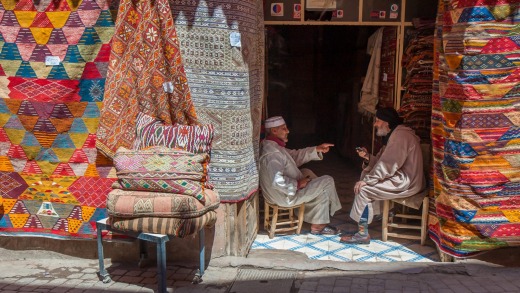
(145, 74)
(476, 127)
(222, 45)
(53, 183)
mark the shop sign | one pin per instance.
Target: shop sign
(297, 11)
(276, 9)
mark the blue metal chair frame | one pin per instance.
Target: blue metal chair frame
(160, 240)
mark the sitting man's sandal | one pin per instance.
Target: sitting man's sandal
(327, 230)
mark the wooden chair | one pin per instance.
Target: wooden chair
(404, 215)
(420, 201)
(282, 219)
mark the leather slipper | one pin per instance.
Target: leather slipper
(355, 239)
(327, 230)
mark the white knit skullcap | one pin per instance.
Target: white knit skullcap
(274, 122)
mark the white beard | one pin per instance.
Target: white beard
(382, 131)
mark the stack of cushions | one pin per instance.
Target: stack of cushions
(161, 169)
(162, 185)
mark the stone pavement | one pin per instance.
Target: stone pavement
(270, 271)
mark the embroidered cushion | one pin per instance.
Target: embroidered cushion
(129, 203)
(191, 138)
(162, 169)
(169, 226)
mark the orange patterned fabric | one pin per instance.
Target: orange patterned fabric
(475, 127)
(145, 59)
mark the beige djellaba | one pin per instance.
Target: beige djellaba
(395, 172)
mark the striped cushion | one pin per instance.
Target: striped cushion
(162, 169)
(169, 226)
(129, 204)
(191, 138)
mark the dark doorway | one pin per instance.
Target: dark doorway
(315, 75)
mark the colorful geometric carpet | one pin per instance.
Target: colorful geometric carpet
(53, 182)
(476, 126)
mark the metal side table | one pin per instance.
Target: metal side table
(160, 240)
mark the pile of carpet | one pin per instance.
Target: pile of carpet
(162, 184)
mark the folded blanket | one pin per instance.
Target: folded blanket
(170, 226)
(162, 169)
(131, 204)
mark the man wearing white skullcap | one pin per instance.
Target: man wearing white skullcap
(274, 122)
(284, 184)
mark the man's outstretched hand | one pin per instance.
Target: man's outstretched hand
(324, 147)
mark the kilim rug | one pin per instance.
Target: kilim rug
(476, 126)
(53, 183)
(145, 74)
(222, 44)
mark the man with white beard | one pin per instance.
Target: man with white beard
(395, 172)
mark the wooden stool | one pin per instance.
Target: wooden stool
(413, 202)
(282, 219)
(422, 226)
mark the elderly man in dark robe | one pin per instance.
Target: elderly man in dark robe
(395, 172)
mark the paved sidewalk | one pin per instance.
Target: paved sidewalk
(270, 271)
